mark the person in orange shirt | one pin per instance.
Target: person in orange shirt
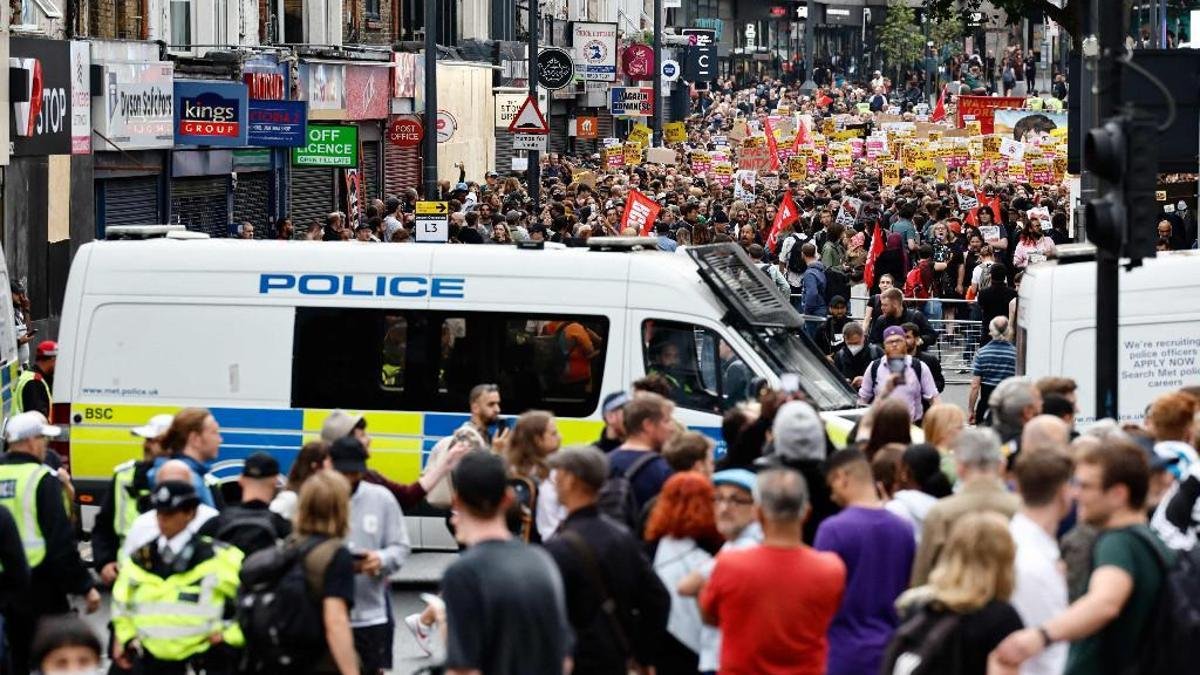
(582, 345)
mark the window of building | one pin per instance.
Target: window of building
(701, 369)
(32, 10)
(411, 360)
(181, 23)
(372, 9)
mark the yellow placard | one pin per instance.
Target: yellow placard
(633, 154)
(991, 147)
(974, 128)
(675, 132)
(797, 167)
(640, 134)
(891, 174)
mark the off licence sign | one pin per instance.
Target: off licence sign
(328, 145)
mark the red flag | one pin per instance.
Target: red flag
(994, 203)
(823, 100)
(784, 217)
(801, 135)
(873, 255)
(640, 213)
(939, 110)
(772, 145)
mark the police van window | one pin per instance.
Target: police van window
(429, 361)
(701, 370)
(554, 363)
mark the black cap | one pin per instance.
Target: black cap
(480, 482)
(348, 455)
(174, 495)
(260, 465)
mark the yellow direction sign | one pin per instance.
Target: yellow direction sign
(432, 208)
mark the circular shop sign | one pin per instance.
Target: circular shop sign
(670, 70)
(555, 68)
(446, 126)
(405, 132)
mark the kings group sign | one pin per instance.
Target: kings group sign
(210, 113)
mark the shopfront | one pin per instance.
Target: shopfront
(275, 124)
(210, 120)
(405, 130)
(132, 131)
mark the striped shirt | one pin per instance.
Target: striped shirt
(995, 362)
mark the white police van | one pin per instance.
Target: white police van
(1159, 337)
(271, 336)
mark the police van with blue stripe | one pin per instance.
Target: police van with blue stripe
(272, 336)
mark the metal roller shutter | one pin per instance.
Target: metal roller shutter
(557, 142)
(131, 201)
(311, 195)
(201, 204)
(370, 169)
(251, 201)
(401, 169)
(504, 152)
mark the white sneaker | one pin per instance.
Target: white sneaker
(421, 633)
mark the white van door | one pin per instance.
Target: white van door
(707, 369)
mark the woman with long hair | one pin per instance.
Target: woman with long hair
(313, 457)
(965, 601)
(919, 484)
(941, 425)
(682, 534)
(534, 438)
(890, 423)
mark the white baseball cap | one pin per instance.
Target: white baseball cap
(27, 425)
(155, 428)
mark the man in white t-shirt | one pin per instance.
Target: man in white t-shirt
(1040, 592)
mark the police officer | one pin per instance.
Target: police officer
(33, 494)
(32, 391)
(174, 600)
(127, 497)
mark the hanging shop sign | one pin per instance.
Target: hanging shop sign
(405, 131)
(277, 124)
(637, 61)
(323, 85)
(595, 46)
(41, 96)
(555, 68)
(631, 101)
(328, 145)
(210, 113)
(368, 90)
(81, 98)
(404, 75)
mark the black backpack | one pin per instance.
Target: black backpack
(795, 261)
(836, 283)
(279, 604)
(616, 499)
(1171, 637)
(251, 530)
(927, 643)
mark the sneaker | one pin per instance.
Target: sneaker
(421, 633)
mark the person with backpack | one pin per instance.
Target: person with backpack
(637, 469)
(900, 375)
(294, 605)
(772, 271)
(252, 526)
(953, 623)
(1115, 627)
(793, 262)
(378, 541)
(616, 603)
(175, 597)
(814, 285)
(893, 313)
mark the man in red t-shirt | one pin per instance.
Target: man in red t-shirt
(774, 602)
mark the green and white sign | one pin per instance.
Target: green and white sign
(328, 145)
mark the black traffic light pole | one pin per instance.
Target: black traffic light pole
(1108, 23)
(533, 157)
(656, 76)
(430, 170)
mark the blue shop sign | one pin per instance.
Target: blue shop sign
(210, 113)
(279, 124)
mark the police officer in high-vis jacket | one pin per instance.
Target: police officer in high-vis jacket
(128, 497)
(174, 601)
(33, 494)
(31, 392)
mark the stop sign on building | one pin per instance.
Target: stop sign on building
(405, 132)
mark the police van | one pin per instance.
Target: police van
(10, 363)
(272, 336)
(1159, 337)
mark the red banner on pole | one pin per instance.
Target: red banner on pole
(784, 217)
(640, 213)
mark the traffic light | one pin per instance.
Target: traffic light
(1123, 152)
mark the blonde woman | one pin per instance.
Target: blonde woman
(942, 424)
(963, 611)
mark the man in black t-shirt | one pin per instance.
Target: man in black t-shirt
(505, 604)
(994, 300)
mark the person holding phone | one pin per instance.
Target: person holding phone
(897, 374)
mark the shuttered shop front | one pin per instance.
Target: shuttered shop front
(312, 195)
(129, 201)
(252, 201)
(370, 170)
(401, 169)
(201, 204)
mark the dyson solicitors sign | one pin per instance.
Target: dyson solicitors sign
(136, 108)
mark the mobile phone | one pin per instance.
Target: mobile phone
(790, 382)
(896, 366)
(358, 555)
